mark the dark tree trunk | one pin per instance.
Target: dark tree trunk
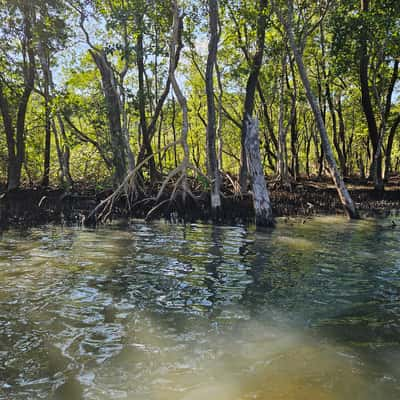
(282, 130)
(336, 134)
(389, 147)
(47, 146)
(44, 61)
(63, 153)
(12, 165)
(212, 164)
(376, 164)
(251, 87)
(342, 140)
(294, 138)
(385, 116)
(16, 136)
(114, 115)
(148, 150)
(308, 147)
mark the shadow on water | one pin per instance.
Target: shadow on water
(165, 312)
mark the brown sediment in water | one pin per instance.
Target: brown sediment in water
(306, 198)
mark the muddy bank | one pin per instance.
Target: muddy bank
(27, 207)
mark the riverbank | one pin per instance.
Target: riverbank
(36, 206)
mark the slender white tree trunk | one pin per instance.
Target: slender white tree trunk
(282, 153)
(344, 195)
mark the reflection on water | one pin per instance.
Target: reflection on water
(161, 312)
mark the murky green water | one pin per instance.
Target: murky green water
(158, 312)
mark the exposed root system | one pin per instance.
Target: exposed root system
(305, 199)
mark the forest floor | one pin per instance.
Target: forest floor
(305, 198)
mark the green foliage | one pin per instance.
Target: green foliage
(331, 54)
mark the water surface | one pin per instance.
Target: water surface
(166, 312)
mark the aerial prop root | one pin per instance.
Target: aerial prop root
(180, 183)
(237, 193)
(103, 210)
(129, 185)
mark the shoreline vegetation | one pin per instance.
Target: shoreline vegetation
(302, 200)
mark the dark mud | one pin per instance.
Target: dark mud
(29, 207)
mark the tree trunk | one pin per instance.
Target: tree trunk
(63, 177)
(63, 151)
(344, 195)
(342, 140)
(282, 153)
(173, 123)
(152, 126)
(47, 146)
(220, 115)
(361, 167)
(389, 147)
(261, 199)
(44, 61)
(385, 112)
(251, 88)
(29, 81)
(111, 95)
(12, 167)
(366, 101)
(329, 98)
(308, 146)
(213, 171)
(142, 110)
(16, 136)
(335, 131)
(294, 146)
(174, 46)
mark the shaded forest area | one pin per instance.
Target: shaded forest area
(152, 107)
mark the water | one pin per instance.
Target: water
(161, 312)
